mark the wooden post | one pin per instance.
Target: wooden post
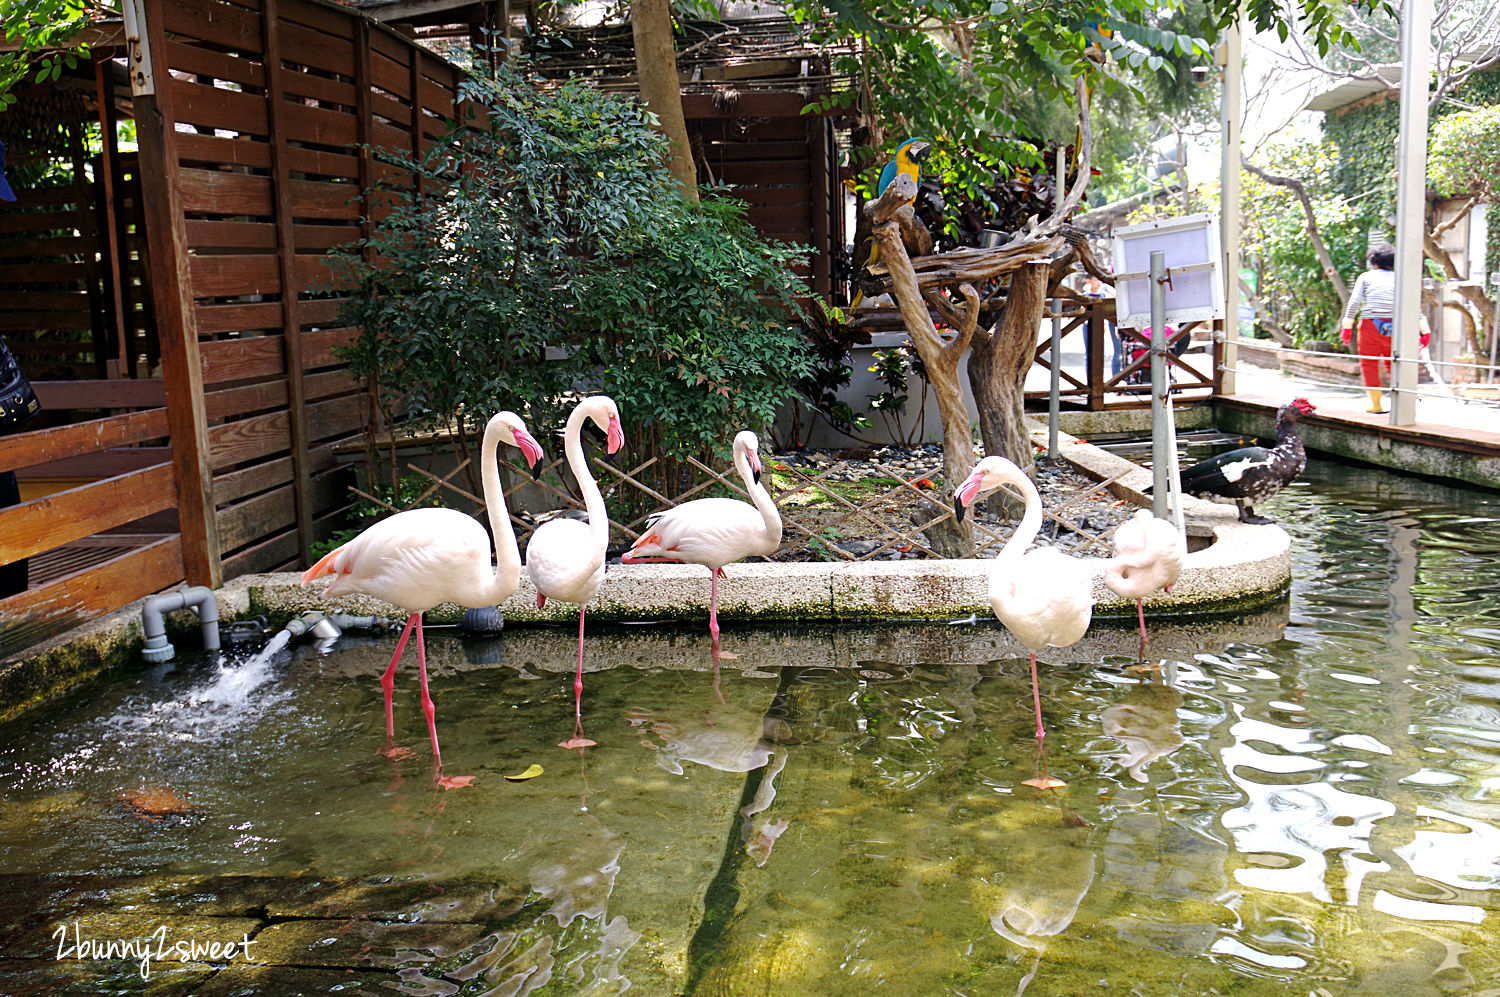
(166, 238)
(419, 182)
(286, 266)
(362, 110)
(820, 204)
(1095, 332)
(116, 255)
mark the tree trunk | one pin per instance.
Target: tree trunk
(998, 363)
(892, 216)
(1314, 234)
(1482, 303)
(656, 68)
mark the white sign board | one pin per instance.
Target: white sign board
(1191, 245)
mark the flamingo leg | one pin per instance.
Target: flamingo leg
(1140, 614)
(1044, 779)
(443, 781)
(1036, 698)
(578, 740)
(713, 602)
(428, 709)
(388, 680)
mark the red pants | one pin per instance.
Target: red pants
(1372, 344)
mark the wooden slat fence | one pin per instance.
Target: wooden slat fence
(172, 303)
(277, 98)
(781, 163)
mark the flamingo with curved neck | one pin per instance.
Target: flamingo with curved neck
(425, 557)
(1148, 556)
(714, 532)
(565, 558)
(1042, 596)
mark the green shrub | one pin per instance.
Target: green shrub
(551, 253)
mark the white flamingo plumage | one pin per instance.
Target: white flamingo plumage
(425, 557)
(565, 558)
(714, 532)
(1042, 596)
(1148, 556)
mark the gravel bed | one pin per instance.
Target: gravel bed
(1089, 510)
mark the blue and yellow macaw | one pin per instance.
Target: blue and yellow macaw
(908, 160)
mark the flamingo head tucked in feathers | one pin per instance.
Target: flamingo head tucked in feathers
(750, 443)
(988, 474)
(513, 431)
(606, 415)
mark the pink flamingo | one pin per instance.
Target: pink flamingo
(565, 557)
(714, 532)
(424, 557)
(1148, 556)
(1042, 596)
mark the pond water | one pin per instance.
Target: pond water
(1305, 801)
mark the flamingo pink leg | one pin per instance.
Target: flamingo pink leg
(443, 781)
(1036, 697)
(578, 740)
(713, 602)
(1140, 614)
(427, 705)
(388, 680)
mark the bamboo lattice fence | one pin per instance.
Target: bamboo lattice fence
(803, 538)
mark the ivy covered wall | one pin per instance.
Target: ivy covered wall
(1365, 167)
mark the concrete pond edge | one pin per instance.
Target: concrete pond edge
(1239, 568)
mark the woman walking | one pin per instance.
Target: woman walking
(1374, 300)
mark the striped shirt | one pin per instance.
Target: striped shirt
(1375, 294)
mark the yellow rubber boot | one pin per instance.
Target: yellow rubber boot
(1376, 404)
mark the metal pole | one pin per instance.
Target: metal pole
(1231, 107)
(1160, 442)
(1054, 389)
(1489, 375)
(1411, 203)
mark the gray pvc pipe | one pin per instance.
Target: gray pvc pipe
(153, 611)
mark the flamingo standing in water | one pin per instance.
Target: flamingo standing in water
(424, 557)
(1042, 596)
(565, 557)
(1148, 556)
(714, 532)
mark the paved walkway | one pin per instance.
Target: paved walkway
(1453, 438)
(1441, 417)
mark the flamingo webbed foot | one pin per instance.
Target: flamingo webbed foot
(577, 742)
(454, 781)
(396, 752)
(1044, 782)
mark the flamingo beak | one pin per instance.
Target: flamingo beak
(614, 436)
(531, 450)
(754, 459)
(965, 495)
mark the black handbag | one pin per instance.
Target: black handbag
(17, 401)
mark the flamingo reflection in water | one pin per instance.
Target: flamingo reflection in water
(1145, 722)
(1044, 876)
(728, 738)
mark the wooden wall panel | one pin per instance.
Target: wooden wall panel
(262, 105)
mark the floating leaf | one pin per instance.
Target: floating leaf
(532, 771)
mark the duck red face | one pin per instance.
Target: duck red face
(1302, 405)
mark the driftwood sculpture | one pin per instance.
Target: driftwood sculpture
(1030, 266)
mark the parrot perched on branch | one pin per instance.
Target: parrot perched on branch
(907, 159)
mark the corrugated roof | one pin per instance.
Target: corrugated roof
(1346, 93)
